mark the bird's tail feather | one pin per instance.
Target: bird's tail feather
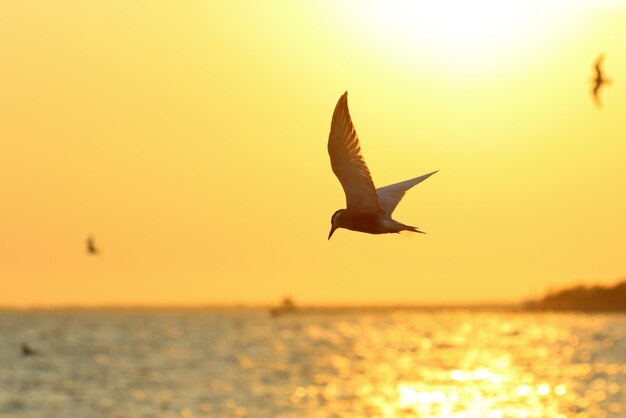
(392, 225)
(412, 229)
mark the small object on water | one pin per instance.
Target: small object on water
(27, 350)
(287, 306)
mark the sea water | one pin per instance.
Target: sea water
(355, 363)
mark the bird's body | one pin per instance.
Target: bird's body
(370, 222)
(368, 209)
(599, 80)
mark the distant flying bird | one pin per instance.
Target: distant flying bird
(368, 209)
(91, 247)
(599, 81)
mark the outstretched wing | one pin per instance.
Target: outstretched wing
(347, 162)
(596, 93)
(390, 196)
(598, 66)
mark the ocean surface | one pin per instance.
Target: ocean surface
(245, 363)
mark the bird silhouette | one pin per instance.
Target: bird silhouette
(599, 80)
(91, 247)
(368, 209)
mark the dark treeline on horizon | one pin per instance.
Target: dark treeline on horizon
(583, 298)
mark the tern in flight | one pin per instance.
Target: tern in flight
(599, 81)
(368, 209)
(91, 247)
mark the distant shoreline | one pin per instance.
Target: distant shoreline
(302, 308)
(584, 299)
(527, 307)
(591, 299)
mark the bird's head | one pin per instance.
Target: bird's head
(335, 221)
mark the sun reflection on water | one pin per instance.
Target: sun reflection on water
(487, 365)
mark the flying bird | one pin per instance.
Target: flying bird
(91, 247)
(599, 80)
(368, 209)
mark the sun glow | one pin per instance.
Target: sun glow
(478, 34)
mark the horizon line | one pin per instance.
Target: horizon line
(255, 306)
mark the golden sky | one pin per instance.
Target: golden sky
(189, 137)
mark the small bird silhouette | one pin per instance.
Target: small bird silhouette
(368, 209)
(91, 247)
(599, 80)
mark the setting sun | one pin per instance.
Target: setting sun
(460, 35)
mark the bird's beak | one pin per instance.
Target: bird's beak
(331, 232)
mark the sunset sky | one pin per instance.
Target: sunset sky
(189, 137)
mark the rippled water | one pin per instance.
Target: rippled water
(209, 363)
